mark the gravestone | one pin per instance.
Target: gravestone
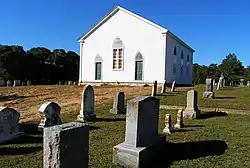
(2, 82)
(66, 146)
(219, 85)
(248, 83)
(17, 83)
(118, 104)
(9, 124)
(87, 112)
(50, 115)
(75, 83)
(168, 124)
(8, 83)
(60, 83)
(28, 83)
(164, 87)
(173, 87)
(23, 83)
(142, 141)
(154, 88)
(241, 82)
(192, 110)
(208, 93)
(179, 120)
(70, 82)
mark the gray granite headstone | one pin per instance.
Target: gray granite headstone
(142, 141)
(208, 93)
(66, 146)
(154, 88)
(50, 115)
(192, 110)
(118, 104)
(87, 112)
(164, 87)
(9, 124)
(173, 87)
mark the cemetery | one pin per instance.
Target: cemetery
(119, 126)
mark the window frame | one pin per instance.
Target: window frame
(116, 48)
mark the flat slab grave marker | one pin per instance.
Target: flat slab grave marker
(142, 141)
(50, 115)
(66, 146)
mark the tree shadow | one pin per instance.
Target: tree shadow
(224, 98)
(30, 128)
(182, 130)
(109, 119)
(18, 151)
(91, 127)
(187, 126)
(11, 97)
(165, 95)
(25, 139)
(189, 150)
(212, 114)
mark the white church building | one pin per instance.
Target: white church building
(127, 48)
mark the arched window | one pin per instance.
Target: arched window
(175, 52)
(98, 58)
(98, 67)
(182, 62)
(118, 53)
(181, 54)
(138, 66)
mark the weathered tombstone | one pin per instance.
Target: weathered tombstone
(66, 146)
(208, 93)
(142, 141)
(241, 82)
(87, 112)
(248, 83)
(8, 83)
(179, 120)
(60, 83)
(23, 83)
(50, 115)
(192, 110)
(17, 83)
(173, 87)
(168, 124)
(2, 82)
(154, 88)
(75, 83)
(70, 82)
(118, 105)
(9, 127)
(28, 83)
(164, 87)
(219, 85)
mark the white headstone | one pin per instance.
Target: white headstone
(141, 133)
(17, 83)
(87, 112)
(50, 115)
(173, 87)
(179, 120)
(66, 146)
(208, 93)
(248, 83)
(154, 88)
(241, 82)
(219, 85)
(9, 124)
(28, 83)
(8, 83)
(164, 87)
(192, 110)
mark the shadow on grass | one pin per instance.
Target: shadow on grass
(224, 98)
(182, 130)
(212, 114)
(25, 139)
(11, 97)
(187, 126)
(19, 151)
(189, 150)
(109, 119)
(30, 128)
(165, 95)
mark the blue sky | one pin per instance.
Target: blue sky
(212, 27)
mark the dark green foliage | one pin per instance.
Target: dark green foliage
(39, 64)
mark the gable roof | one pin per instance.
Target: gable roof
(115, 10)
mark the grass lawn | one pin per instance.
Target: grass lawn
(228, 97)
(213, 141)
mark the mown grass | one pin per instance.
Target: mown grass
(213, 141)
(228, 97)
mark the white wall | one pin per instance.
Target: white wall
(170, 77)
(137, 36)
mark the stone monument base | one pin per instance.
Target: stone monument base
(130, 156)
(209, 95)
(191, 113)
(116, 111)
(82, 118)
